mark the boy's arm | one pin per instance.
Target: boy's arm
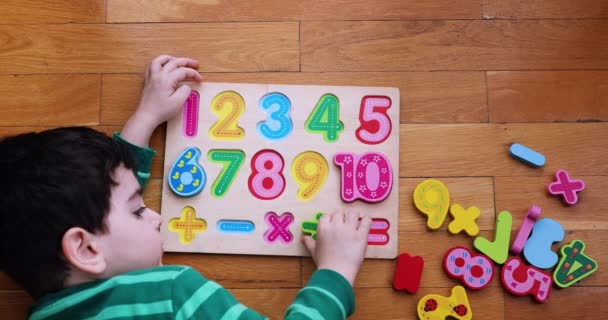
(161, 99)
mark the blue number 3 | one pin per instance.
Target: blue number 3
(278, 125)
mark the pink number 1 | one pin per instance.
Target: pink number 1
(368, 176)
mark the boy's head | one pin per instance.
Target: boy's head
(71, 210)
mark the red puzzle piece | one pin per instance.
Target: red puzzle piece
(408, 273)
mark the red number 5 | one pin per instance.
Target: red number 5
(375, 124)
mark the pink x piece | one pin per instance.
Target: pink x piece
(566, 187)
(278, 227)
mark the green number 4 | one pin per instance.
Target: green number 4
(325, 118)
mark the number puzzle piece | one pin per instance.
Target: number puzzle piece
(375, 126)
(278, 227)
(574, 265)
(310, 170)
(474, 271)
(525, 229)
(235, 226)
(566, 187)
(278, 125)
(229, 107)
(538, 248)
(499, 249)
(432, 198)
(436, 307)
(527, 155)
(464, 220)
(187, 225)
(521, 280)
(408, 273)
(190, 115)
(325, 118)
(266, 181)
(368, 176)
(378, 233)
(231, 161)
(186, 177)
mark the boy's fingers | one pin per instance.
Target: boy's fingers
(184, 73)
(352, 218)
(365, 225)
(180, 62)
(157, 64)
(309, 243)
(182, 93)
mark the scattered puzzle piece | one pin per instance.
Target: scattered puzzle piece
(436, 307)
(527, 155)
(187, 225)
(499, 249)
(521, 280)
(474, 271)
(538, 248)
(566, 187)
(432, 198)
(464, 220)
(408, 273)
(525, 229)
(574, 265)
(187, 178)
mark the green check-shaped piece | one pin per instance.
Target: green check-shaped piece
(310, 226)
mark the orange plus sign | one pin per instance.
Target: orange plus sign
(187, 225)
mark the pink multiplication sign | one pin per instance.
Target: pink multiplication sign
(190, 115)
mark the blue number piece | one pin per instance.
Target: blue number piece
(278, 125)
(186, 177)
(235, 226)
(527, 155)
(537, 249)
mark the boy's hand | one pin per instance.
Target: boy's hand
(162, 97)
(341, 243)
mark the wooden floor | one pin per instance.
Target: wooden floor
(475, 76)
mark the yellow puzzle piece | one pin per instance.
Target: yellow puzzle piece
(432, 198)
(464, 220)
(436, 307)
(187, 225)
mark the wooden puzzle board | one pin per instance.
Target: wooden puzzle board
(238, 202)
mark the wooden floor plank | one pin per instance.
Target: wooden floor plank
(52, 11)
(539, 9)
(573, 303)
(482, 149)
(454, 45)
(50, 100)
(548, 96)
(426, 97)
(98, 48)
(288, 10)
(517, 194)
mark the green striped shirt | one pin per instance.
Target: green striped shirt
(180, 292)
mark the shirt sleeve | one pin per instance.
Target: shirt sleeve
(143, 156)
(328, 295)
(195, 297)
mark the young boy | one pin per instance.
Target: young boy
(75, 233)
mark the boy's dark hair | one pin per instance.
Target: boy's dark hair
(52, 181)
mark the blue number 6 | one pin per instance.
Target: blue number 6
(278, 125)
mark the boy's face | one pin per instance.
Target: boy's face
(133, 240)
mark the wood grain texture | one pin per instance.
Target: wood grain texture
(454, 45)
(539, 9)
(227, 47)
(426, 97)
(572, 303)
(50, 100)
(288, 10)
(482, 149)
(517, 194)
(548, 96)
(52, 11)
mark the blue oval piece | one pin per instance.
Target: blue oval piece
(235, 226)
(186, 177)
(527, 155)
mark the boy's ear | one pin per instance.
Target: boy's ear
(81, 251)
